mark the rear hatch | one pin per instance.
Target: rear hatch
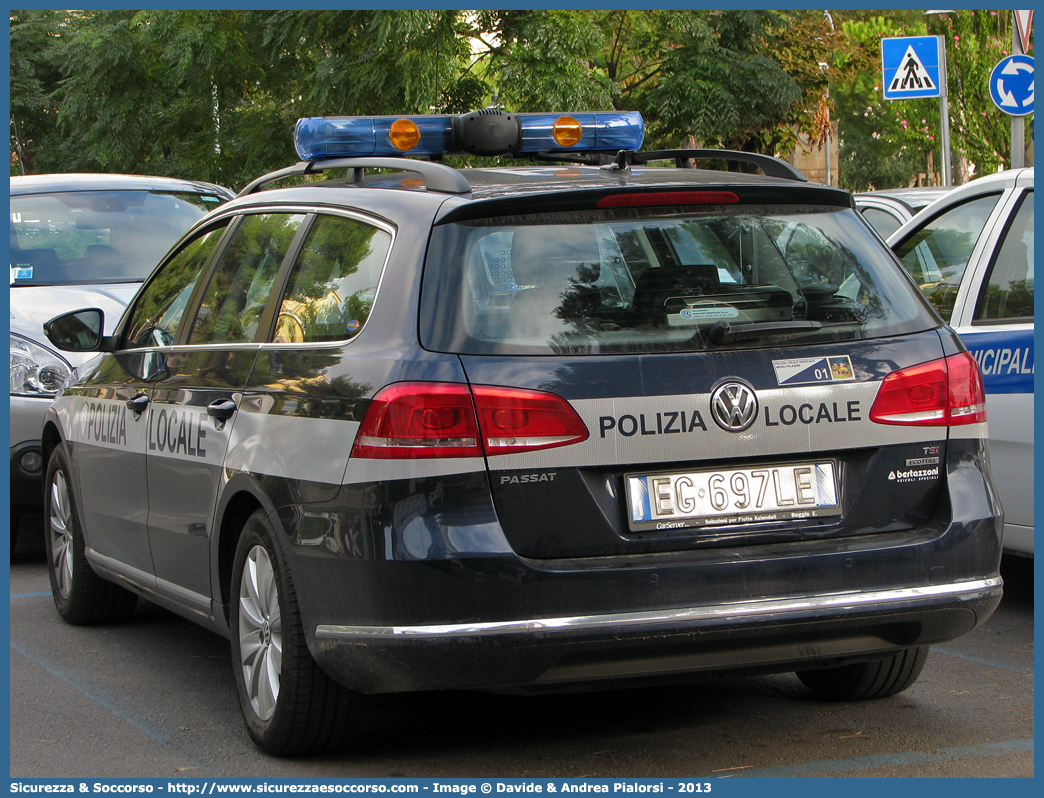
(695, 374)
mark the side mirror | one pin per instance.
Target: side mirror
(78, 331)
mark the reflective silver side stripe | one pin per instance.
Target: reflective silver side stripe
(962, 591)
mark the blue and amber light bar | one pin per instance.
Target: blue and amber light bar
(608, 131)
(349, 136)
(358, 136)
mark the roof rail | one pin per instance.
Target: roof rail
(437, 177)
(773, 167)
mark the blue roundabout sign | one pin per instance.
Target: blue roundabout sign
(1011, 85)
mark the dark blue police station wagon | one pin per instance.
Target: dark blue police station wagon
(577, 421)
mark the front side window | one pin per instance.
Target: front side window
(661, 279)
(85, 237)
(1008, 293)
(242, 282)
(938, 254)
(162, 302)
(333, 282)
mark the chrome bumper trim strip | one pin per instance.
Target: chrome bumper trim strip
(961, 591)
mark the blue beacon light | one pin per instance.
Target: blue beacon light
(486, 132)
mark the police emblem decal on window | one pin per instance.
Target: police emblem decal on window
(811, 370)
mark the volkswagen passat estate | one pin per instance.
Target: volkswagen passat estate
(576, 421)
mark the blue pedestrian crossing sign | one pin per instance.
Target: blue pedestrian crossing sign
(910, 66)
(1011, 85)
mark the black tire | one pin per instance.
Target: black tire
(867, 680)
(16, 519)
(291, 707)
(80, 595)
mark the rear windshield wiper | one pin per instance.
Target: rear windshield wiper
(721, 332)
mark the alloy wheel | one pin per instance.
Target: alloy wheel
(61, 534)
(260, 632)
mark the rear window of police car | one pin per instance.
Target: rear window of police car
(659, 279)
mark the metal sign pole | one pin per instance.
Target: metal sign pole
(826, 154)
(944, 114)
(913, 67)
(1018, 123)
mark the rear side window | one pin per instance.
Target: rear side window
(1008, 293)
(242, 283)
(938, 254)
(162, 302)
(333, 282)
(882, 221)
(661, 279)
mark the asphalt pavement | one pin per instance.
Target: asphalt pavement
(156, 698)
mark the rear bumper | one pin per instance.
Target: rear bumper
(423, 591)
(768, 635)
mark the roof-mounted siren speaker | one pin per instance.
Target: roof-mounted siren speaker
(489, 132)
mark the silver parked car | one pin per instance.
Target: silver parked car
(887, 210)
(79, 240)
(972, 254)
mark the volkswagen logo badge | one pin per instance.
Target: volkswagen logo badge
(734, 406)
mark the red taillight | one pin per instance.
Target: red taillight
(516, 420)
(941, 393)
(419, 419)
(429, 419)
(651, 198)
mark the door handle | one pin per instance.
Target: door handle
(221, 409)
(138, 403)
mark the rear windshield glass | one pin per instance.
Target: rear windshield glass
(82, 237)
(660, 280)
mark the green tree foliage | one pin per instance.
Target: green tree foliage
(709, 78)
(975, 42)
(544, 60)
(150, 92)
(33, 77)
(886, 143)
(366, 62)
(717, 87)
(877, 150)
(214, 94)
(807, 44)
